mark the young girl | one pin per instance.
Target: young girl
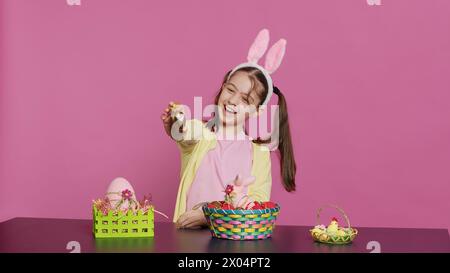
(210, 161)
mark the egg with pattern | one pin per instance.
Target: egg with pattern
(120, 189)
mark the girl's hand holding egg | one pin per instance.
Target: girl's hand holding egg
(174, 113)
(177, 112)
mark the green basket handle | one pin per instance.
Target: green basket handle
(338, 209)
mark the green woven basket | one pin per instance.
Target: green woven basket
(123, 225)
(322, 236)
(241, 224)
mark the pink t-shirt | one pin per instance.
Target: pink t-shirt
(219, 167)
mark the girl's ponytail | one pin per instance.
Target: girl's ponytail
(287, 160)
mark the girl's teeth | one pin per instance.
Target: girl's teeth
(230, 109)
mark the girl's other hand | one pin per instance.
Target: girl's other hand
(193, 219)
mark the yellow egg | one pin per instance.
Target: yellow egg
(323, 237)
(340, 232)
(114, 192)
(317, 230)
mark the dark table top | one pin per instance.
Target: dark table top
(53, 235)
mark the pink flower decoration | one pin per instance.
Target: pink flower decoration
(127, 194)
(229, 189)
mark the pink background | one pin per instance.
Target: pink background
(82, 89)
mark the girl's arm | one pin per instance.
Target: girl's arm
(261, 189)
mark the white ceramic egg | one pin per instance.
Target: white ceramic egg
(115, 189)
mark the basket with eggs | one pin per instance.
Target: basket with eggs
(120, 214)
(254, 221)
(333, 233)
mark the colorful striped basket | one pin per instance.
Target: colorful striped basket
(241, 224)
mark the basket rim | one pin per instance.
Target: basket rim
(341, 211)
(340, 239)
(354, 231)
(240, 211)
(120, 213)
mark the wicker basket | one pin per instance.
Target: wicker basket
(241, 224)
(323, 236)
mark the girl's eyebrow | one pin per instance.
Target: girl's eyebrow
(247, 96)
(234, 86)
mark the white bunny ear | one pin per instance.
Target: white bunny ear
(275, 56)
(259, 46)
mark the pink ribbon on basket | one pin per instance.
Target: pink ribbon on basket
(104, 204)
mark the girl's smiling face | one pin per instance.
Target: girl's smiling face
(237, 99)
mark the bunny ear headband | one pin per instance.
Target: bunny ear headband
(273, 58)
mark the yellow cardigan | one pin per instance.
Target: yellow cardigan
(193, 152)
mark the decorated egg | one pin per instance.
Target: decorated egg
(121, 194)
(317, 230)
(269, 205)
(177, 112)
(323, 237)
